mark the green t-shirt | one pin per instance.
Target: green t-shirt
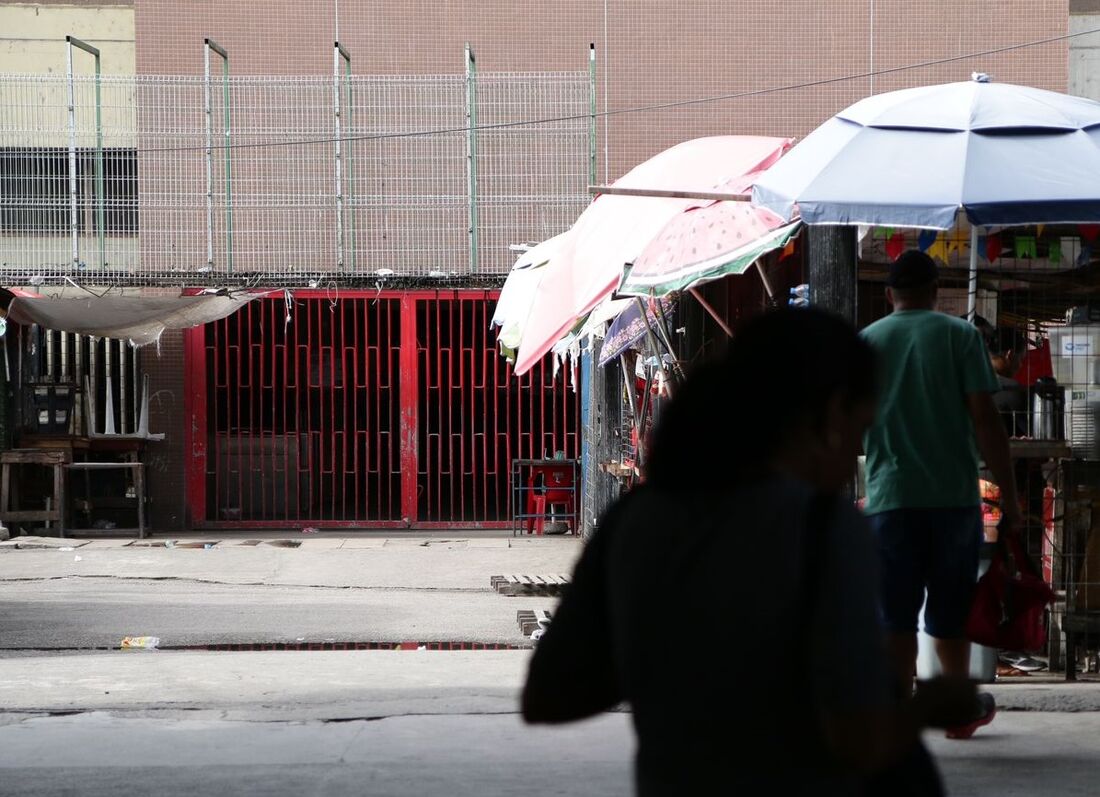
(921, 451)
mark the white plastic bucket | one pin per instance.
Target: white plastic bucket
(983, 660)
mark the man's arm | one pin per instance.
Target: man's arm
(993, 445)
(870, 740)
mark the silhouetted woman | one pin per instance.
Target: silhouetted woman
(731, 600)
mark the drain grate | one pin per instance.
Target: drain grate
(551, 586)
(255, 647)
(529, 620)
(322, 646)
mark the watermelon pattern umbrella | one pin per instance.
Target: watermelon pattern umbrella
(704, 244)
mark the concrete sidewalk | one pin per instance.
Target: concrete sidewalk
(459, 755)
(395, 562)
(265, 686)
(332, 685)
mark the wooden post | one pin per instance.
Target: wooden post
(831, 258)
(831, 262)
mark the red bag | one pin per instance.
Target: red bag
(1009, 609)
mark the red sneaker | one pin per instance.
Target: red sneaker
(988, 710)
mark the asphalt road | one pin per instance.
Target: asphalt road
(99, 612)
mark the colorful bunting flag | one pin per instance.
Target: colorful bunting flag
(1089, 232)
(938, 250)
(895, 245)
(1054, 251)
(1026, 246)
(993, 247)
(926, 239)
(957, 242)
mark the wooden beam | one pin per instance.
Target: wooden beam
(664, 193)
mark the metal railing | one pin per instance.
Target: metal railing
(286, 180)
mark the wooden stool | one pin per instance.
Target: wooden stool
(31, 456)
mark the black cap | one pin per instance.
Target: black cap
(913, 269)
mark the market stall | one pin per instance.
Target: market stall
(1001, 185)
(611, 285)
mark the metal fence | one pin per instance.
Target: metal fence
(288, 180)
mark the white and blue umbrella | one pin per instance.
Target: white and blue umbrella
(1001, 155)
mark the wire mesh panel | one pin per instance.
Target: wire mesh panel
(278, 199)
(171, 182)
(531, 179)
(169, 178)
(606, 409)
(409, 195)
(68, 196)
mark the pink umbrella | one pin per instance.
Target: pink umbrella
(706, 243)
(614, 230)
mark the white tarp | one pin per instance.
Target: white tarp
(139, 319)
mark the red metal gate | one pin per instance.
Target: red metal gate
(476, 417)
(365, 410)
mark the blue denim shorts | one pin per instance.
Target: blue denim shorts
(933, 551)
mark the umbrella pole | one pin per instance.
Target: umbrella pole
(648, 329)
(764, 278)
(711, 312)
(656, 344)
(972, 288)
(666, 334)
(628, 378)
(641, 458)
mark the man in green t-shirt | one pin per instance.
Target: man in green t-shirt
(936, 414)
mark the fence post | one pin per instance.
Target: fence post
(351, 164)
(338, 53)
(208, 45)
(592, 114)
(471, 152)
(100, 189)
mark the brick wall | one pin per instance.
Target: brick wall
(648, 52)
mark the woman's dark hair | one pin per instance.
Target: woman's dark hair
(734, 413)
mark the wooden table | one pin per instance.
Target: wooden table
(80, 447)
(76, 452)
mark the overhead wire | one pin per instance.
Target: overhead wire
(662, 106)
